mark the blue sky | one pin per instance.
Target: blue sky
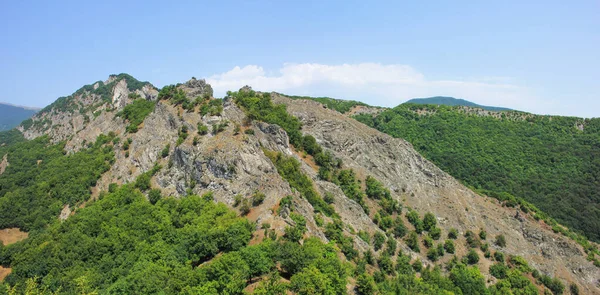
(537, 56)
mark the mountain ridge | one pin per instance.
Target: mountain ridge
(246, 159)
(12, 115)
(451, 101)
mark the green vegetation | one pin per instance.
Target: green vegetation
(516, 157)
(41, 179)
(136, 112)
(342, 106)
(68, 104)
(289, 169)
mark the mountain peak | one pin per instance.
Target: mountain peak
(451, 101)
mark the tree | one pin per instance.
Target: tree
(468, 279)
(154, 196)
(365, 285)
(412, 241)
(453, 234)
(378, 240)
(472, 257)
(429, 221)
(449, 246)
(500, 241)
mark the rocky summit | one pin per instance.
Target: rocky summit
(367, 192)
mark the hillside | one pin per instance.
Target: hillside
(11, 116)
(451, 101)
(174, 191)
(550, 161)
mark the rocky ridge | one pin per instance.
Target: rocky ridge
(231, 163)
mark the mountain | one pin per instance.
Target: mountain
(11, 116)
(451, 101)
(549, 161)
(125, 188)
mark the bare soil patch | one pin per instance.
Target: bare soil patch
(12, 235)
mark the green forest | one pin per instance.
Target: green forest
(545, 160)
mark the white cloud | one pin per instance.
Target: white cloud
(377, 84)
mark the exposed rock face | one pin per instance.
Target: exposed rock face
(4, 164)
(230, 164)
(419, 184)
(194, 88)
(65, 213)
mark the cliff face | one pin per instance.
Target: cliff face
(231, 163)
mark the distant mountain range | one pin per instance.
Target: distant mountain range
(451, 101)
(12, 115)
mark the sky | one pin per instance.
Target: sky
(536, 56)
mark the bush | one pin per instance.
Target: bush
(453, 234)
(154, 196)
(499, 256)
(399, 228)
(435, 233)
(499, 270)
(433, 254)
(449, 246)
(472, 239)
(249, 131)
(500, 241)
(482, 234)
(202, 129)
(412, 241)
(472, 257)
(378, 240)
(258, 198)
(429, 221)
(427, 242)
(136, 112)
(165, 152)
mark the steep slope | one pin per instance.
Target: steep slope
(11, 116)
(451, 101)
(185, 142)
(549, 161)
(423, 186)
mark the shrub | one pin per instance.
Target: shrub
(472, 257)
(249, 131)
(399, 228)
(154, 196)
(363, 235)
(427, 242)
(482, 234)
(432, 254)
(378, 240)
(472, 239)
(412, 241)
(435, 233)
(417, 265)
(499, 256)
(499, 270)
(429, 221)
(453, 234)
(258, 198)
(449, 246)
(165, 152)
(500, 241)
(202, 129)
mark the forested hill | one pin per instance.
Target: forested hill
(11, 116)
(550, 161)
(451, 101)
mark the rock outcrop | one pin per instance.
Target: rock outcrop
(4, 164)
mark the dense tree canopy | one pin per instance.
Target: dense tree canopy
(545, 160)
